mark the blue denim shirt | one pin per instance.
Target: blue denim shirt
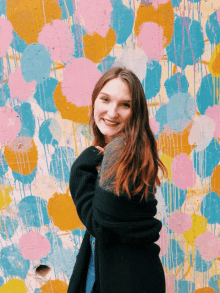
(91, 271)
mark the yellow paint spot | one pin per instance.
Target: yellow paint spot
(175, 143)
(28, 17)
(199, 224)
(68, 110)
(214, 64)
(54, 286)
(163, 16)
(62, 212)
(205, 290)
(14, 285)
(96, 47)
(167, 161)
(215, 182)
(21, 155)
(5, 198)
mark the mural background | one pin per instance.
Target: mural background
(52, 52)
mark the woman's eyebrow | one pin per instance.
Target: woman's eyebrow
(122, 100)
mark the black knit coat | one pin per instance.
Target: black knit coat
(126, 257)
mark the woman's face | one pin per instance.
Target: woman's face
(112, 108)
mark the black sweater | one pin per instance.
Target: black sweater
(126, 257)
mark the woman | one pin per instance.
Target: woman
(118, 205)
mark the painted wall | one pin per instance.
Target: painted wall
(52, 52)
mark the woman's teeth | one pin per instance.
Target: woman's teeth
(110, 123)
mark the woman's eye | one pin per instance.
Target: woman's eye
(105, 99)
(126, 105)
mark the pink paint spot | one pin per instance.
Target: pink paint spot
(151, 40)
(79, 79)
(5, 36)
(183, 173)
(34, 246)
(218, 15)
(10, 125)
(154, 125)
(156, 3)
(94, 15)
(170, 284)
(58, 39)
(163, 241)
(19, 88)
(214, 113)
(208, 246)
(179, 222)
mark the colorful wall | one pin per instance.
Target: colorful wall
(52, 52)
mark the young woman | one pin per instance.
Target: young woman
(112, 184)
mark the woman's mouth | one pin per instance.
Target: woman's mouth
(110, 123)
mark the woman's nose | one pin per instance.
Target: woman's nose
(113, 111)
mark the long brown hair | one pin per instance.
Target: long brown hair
(139, 162)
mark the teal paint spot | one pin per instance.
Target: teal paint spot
(182, 286)
(78, 232)
(17, 43)
(55, 241)
(210, 208)
(181, 110)
(25, 179)
(199, 264)
(36, 63)
(37, 290)
(122, 21)
(27, 120)
(1, 281)
(213, 29)
(2, 7)
(33, 211)
(12, 262)
(106, 64)
(213, 282)
(175, 84)
(61, 162)
(8, 226)
(205, 97)
(206, 160)
(78, 33)
(4, 94)
(152, 80)
(187, 44)
(50, 132)
(3, 165)
(44, 94)
(69, 7)
(174, 197)
(174, 257)
(161, 116)
(176, 3)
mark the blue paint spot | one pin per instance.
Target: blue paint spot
(1, 281)
(2, 7)
(213, 282)
(8, 227)
(174, 257)
(35, 63)
(44, 94)
(176, 3)
(181, 110)
(213, 29)
(55, 241)
(78, 232)
(17, 43)
(3, 165)
(48, 135)
(205, 97)
(27, 120)
(152, 79)
(25, 179)
(78, 32)
(61, 162)
(4, 94)
(106, 64)
(190, 32)
(206, 160)
(67, 6)
(123, 21)
(199, 264)
(182, 286)
(33, 211)
(210, 208)
(161, 116)
(175, 84)
(12, 262)
(37, 290)
(173, 196)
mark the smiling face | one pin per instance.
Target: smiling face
(112, 108)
